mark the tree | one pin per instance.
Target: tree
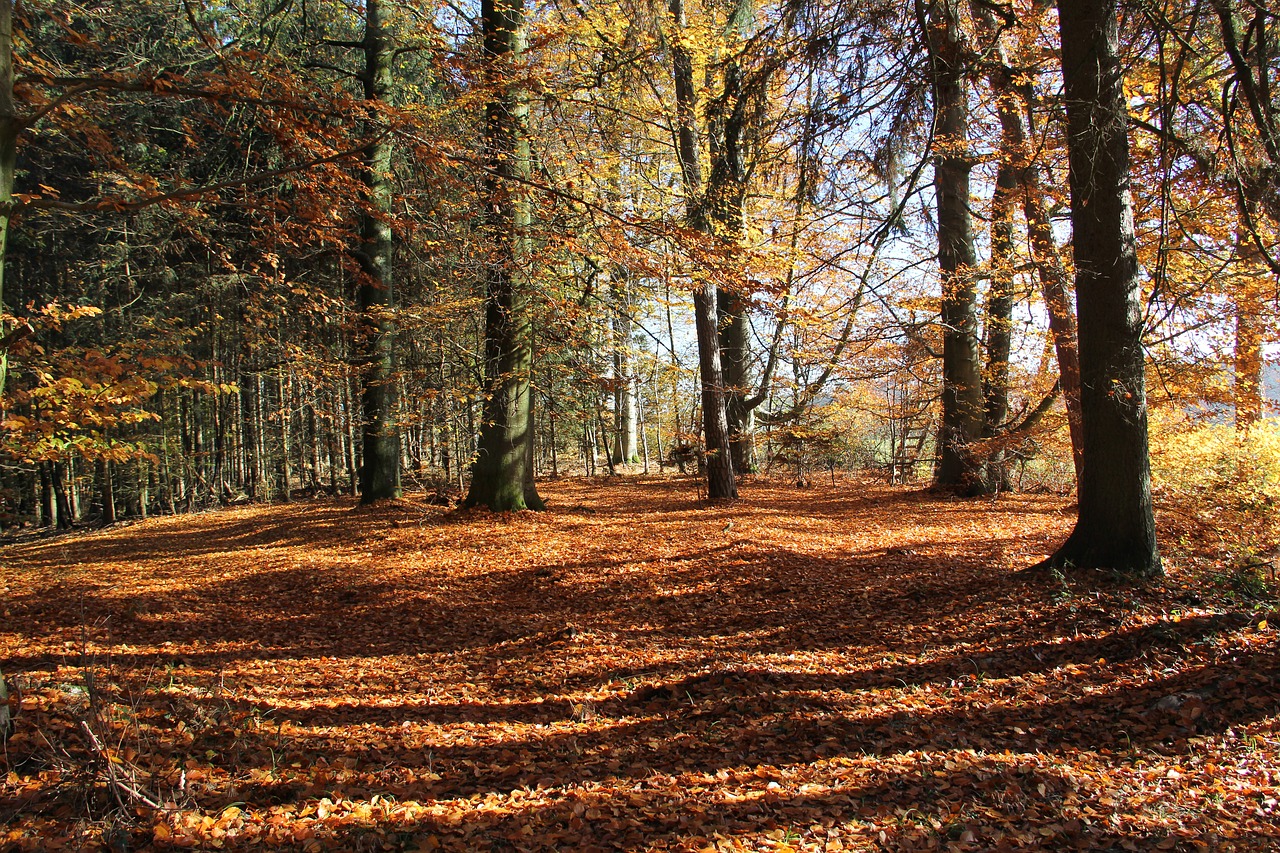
(1116, 526)
(375, 298)
(963, 414)
(502, 475)
(721, 482)
(1021, 176)
(10, 126)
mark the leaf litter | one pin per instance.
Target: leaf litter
(850, 668)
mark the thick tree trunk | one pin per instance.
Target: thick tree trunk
(963, 417)
(106, 492)
(1116, 526)
(10, 127)
(375, 299)
(735, 352)
(721, 482)
(502, 476)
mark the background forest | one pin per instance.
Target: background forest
(260, 250)
(264, 249)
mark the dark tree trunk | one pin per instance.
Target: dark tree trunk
(963, 416)
(66, 514)
(501, 477)
(721, 482)
(1116, 527)
(48, 510)
(375, 298)
(106, 492)
(10, 127)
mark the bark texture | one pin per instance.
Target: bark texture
(721, 482)
(375, 297)
(963, 415)
(502, 475)
(1116, 527)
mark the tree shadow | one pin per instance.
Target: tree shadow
(639, 658)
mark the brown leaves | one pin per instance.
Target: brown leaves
(852, 668)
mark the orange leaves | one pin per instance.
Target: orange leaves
(833, 668)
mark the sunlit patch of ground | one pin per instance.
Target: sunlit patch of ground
(858, 667)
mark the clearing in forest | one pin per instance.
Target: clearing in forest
(855, 667)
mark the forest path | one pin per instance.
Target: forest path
(851, 666)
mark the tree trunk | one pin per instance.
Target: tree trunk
(715, 425)
(106, 492)
(998, 328)
(66, 513)
(284, 411)
(48, 510)
(501, 477)
(10, 127)
(624, 392)
(1250, 325)
(1116, 526)
(963, 418)
(375, 297)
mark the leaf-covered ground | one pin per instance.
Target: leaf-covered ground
(851, 668)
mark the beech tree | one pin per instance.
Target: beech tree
(962, 399)
(375, 296)
(721, 481)
(1116, 525)
(502, 475)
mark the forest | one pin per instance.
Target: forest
(686, 425)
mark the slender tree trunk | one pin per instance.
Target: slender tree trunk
(1116, 526)
(963, 415)
(998, 325)
(284, 411)
(48, 510)
(1250, 325)
(624, 396)
(501, 477)
(106, 492)
(375, 297)
(66, 512)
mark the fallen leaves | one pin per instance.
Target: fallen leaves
(831, 669)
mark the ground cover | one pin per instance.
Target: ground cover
(851, 667)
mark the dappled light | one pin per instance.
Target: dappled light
(830, 668)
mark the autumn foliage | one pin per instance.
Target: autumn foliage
(854, 667)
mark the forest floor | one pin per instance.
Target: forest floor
(856, 667)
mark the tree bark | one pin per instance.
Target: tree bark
(963, 417)
(1116, 526)
(721, 482)
(625, 450)
(502, 475)
(1250, 325)
(10, 127)
(375, 298)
